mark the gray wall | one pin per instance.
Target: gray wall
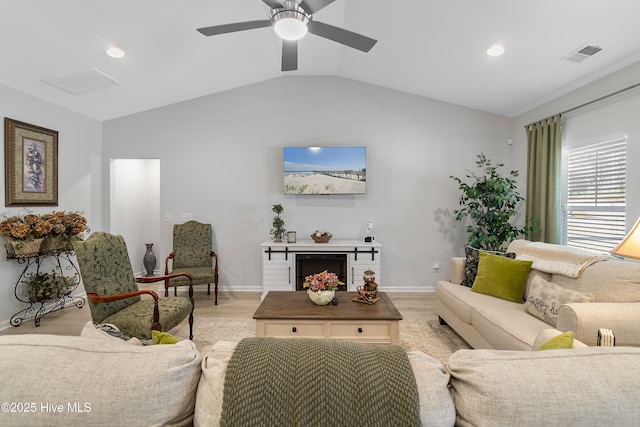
(221, 160)
(615, 115)
(79, 174)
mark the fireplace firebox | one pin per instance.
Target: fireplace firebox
(308, 264)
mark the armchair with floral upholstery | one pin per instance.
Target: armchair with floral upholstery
(114, 296)
(193, 254)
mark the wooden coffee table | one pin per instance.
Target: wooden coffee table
(291, 314)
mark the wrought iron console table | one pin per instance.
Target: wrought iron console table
(58, 264)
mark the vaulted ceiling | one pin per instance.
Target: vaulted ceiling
(430, 48)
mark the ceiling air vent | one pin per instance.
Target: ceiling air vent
(82, 81)
(583, 53)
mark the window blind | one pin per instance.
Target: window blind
(595, 195)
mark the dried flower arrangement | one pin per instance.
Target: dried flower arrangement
(31, 226)
(32, 234)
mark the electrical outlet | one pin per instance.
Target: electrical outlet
(436, 267)
(186, 217)
(167, 216)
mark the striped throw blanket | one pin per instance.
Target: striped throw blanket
(558, 259)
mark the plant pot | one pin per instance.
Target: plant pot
(321, 297)
(23, 248)
(36, 247)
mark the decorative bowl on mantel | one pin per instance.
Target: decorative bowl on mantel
(321, 236)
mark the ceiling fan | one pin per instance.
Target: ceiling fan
(291, 21)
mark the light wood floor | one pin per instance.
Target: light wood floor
(70, 321)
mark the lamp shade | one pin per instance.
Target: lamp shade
(630, 245)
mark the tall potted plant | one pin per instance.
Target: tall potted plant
(489, 202)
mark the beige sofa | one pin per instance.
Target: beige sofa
(487, 322)
(80, 381)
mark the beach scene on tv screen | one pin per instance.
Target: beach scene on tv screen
(325, 170)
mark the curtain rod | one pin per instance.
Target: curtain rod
(602, 98)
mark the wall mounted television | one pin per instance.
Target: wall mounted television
(325, 170)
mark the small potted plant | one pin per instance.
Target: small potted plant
(278, 230)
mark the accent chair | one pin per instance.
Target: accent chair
(193, 254)
(114, 296)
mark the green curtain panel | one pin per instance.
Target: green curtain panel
(543, 179)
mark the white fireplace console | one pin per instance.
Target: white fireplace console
(279, 261)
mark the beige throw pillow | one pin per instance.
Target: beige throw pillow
(545, 299)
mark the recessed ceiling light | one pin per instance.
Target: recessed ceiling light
(115, 52)
(495, 50)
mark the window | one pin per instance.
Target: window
(594, 187)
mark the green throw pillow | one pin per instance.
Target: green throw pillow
(501, 277)
(163, 338)
(559, 341)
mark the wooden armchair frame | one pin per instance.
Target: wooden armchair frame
(156, 311)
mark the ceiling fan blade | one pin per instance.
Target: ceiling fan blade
(340, 35)
(273, 4)
(289, 55)
(231, 28)
(312, 6)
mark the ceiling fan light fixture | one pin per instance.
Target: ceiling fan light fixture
(290, 22)
(290, 28)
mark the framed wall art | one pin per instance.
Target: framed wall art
(31, 164)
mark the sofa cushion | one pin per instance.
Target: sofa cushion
(501, 277)
(158, 337)
(211, 388)
(545, 299)
(507, 327)
(547, 334)
(472, 257)
(98, 382)
(593, 386)
(608, 281)
(462, 301)
(504, 324)
(108, 332)
(555, 343)
(432, 379)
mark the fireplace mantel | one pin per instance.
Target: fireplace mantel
(279, 261)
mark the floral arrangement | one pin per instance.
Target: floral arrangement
(32, 226)
(324, 281)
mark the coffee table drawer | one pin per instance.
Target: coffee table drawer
(293, 329)
(360, 329)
